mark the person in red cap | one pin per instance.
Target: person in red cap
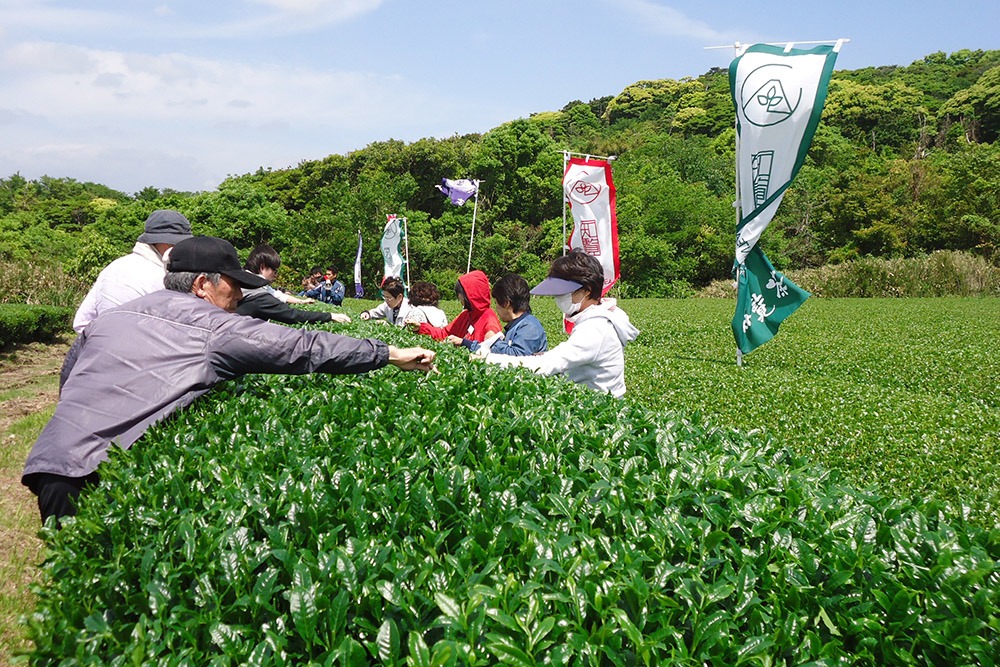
(476, 322)
(137, 363)
(140, 272)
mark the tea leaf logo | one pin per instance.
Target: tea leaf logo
(770, 103)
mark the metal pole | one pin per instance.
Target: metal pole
(788, 45)
(566, 155)
(475, 207)
(738, 206)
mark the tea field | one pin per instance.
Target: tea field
(805, 508)
(901, 393)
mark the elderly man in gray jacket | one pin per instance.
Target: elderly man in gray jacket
(138, 363)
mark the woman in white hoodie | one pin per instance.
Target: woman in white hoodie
(594, 354)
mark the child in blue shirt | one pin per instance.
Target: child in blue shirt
(523, 334)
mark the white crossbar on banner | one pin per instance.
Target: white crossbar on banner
(740, 47)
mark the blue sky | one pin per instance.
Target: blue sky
(181, 93)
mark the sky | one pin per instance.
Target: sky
(180, 94)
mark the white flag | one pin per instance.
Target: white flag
(391, 238)
(590, 192)
(458, 191)
(359, 291)
(779, 97)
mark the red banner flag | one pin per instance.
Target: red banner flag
(590, 192)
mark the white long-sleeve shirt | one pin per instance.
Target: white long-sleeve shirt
(594, 354)
(124, 279)
(396, 317)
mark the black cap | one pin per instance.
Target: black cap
(208, 254)
(163, 226)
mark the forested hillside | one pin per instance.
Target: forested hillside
(906, 161)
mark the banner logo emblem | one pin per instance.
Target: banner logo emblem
(769, 104)
(585, 193)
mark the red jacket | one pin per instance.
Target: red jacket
(475, 324)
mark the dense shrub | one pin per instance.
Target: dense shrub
(479, 516)
(40, 282)
(21, 323)
(942, 273)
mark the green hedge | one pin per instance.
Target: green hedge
(483, 515)
(944, 273)
(20, 323)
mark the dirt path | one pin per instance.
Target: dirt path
(29, 385)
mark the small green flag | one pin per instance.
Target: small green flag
(764, 298)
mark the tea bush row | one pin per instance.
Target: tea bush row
(21, 323)
(479, 516)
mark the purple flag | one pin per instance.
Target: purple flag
(458, 191)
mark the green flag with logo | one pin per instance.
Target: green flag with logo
(778, 94)
(764, 299)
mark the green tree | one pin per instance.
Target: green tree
(977, 108)
(877, 116)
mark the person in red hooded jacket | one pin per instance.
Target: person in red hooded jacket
(476, 323)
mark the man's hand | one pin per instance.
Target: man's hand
(454, 340)
(340, 317)
(411, 358)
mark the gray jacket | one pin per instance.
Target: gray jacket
(139, 362)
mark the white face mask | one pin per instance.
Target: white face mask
(566, 305)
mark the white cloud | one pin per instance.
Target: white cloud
(289, 17)
(181, 121)
(35, 15)
(52, 79)
(664, 20)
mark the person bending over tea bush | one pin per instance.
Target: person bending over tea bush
(395, 308)
(267, 303)
(594, 354)
(476, 322)
(134, 365)
(523, 334)
(424, 300)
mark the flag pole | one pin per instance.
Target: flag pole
(565, 162)
(737, 205)
(406, 250)
(475, 207)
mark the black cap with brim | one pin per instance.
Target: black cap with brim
(208, 254)
(164, 226)
(555, 287)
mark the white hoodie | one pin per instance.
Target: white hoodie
(594, 354)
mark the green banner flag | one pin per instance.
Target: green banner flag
(764, 298)
(778, 94)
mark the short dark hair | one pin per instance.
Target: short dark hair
(424, 294)
(462, 297)
(183, 281)
(263, 256)
(333, 270)
(392, 285)
(512, 290)
(581, 268)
